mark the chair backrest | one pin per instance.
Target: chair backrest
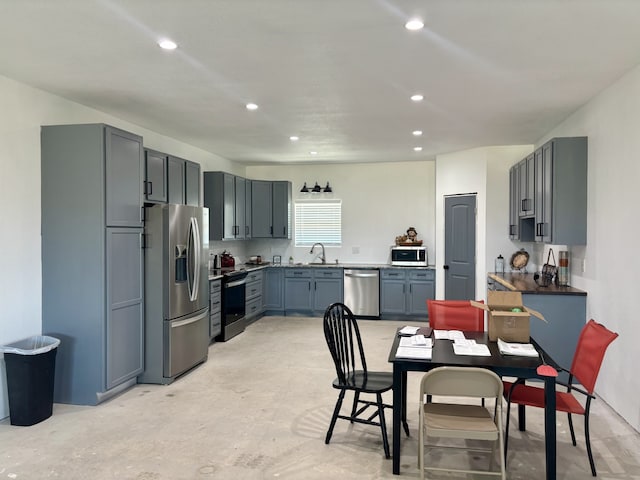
(343, 339)
(592, 345)
(455, 315)
(461, 382)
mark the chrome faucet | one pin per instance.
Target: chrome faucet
(323, 258)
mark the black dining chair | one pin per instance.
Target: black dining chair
(344, 342)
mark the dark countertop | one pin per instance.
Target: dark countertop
(220, 272)
(524, 283)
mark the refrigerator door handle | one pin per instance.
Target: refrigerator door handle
(194, 259)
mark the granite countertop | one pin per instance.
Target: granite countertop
(220, 272)
(524, 283)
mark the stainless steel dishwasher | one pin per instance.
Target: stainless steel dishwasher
(362, 291)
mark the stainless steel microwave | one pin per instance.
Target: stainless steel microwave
(409, 256)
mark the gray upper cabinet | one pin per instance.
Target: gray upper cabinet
(176, 182)
(281, 209)
(155, 185)
(92, 260)
(123, 181)
(261, 209)
(192, 183)
(526, 172)
(183, 181)
(270, 209)
(225, 196)
(247, 209)
(559, 195)
(562, 215)
(514, 197)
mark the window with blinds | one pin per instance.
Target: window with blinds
(318, 221)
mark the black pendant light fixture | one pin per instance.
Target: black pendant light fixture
(316, 188)
(327, 189)
(304, 188)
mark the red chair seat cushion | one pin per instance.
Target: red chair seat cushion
(534, 397)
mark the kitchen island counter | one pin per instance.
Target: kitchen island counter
(524, 283)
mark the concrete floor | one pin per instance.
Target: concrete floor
(259, 408)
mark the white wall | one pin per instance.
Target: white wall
(24, 110)
(485, 173)
(379, 202)
(612, 122)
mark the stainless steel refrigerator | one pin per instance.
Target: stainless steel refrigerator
(176, 291)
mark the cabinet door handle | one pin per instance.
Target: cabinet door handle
(523, 203)
(446, 267)
(246, 230)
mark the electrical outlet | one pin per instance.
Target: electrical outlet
(584, 265)
(355, 250)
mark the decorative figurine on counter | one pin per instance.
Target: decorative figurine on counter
(411, 238)
(412, 235)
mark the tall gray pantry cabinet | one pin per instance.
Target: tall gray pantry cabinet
(92, 260)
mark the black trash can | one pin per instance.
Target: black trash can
(31, 366)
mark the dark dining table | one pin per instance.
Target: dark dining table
(503, 365)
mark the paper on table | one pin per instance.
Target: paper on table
(418, 341)
(408, 330)
(520, 349)
(448, 334)
(475, 349)
(413, 352)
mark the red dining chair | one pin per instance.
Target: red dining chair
(455, 315)
(587, 359)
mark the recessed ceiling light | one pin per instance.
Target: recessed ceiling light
(417, 97)
(417, 149)
(294, 138)
(167, 44)
(313, 152)
(414, 24)
(252, 106)
(417, 133)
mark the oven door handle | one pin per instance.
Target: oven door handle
(235, 283)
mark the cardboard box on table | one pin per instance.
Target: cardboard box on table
(502, 321)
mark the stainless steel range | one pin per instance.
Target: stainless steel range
(234, 295)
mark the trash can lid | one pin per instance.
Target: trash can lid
(34, 345)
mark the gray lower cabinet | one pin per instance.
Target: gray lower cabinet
(406, 291)
(215, 308)
(155, 184)
(92, 259)
(327, 288)
(565, 317)
(253, 304)
(308, 291)
(273, 290)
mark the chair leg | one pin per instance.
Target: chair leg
(383, 426)
(336, 411)
(506, 433)
(573, 435)
(406, 427)
(356, 397)
(586, 436)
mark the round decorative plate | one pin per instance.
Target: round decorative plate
(519, 259)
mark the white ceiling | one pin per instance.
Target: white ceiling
(337, 73)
